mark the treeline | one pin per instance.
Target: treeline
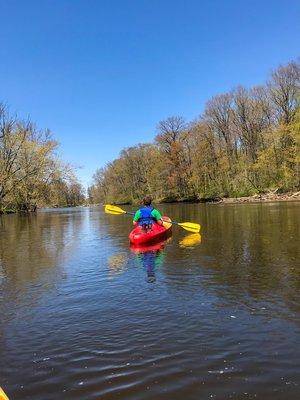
(31, 174)
(245, 142)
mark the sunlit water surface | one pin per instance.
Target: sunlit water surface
(213, 317)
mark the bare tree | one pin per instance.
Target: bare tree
(169, 132)
(285, 91)
(250, 120)
(218, 116)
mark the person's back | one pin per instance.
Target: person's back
(147, 215)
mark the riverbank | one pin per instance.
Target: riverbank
(260, 198)
(269, 197)
(33, 211)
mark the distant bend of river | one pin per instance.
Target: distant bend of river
(84, 316)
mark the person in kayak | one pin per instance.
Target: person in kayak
(147, 215)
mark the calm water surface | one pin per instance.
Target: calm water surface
(83, 316)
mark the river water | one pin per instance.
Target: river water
(84, 316)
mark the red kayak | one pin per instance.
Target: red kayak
(156, 233)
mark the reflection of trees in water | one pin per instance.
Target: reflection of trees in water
(32, 245)
(114, 231)
(115, 227)
(251, 249)
(117, 263)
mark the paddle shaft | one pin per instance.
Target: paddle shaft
(170, 222)
(188, 226)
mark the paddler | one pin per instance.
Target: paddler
(147, 215)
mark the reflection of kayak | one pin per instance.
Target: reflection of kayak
(144, 248)
(156, 233)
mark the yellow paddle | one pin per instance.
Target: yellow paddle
(188, 226)
(3, 395)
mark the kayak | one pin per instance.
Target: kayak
(156, 233)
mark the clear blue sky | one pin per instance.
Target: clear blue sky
(101, 73)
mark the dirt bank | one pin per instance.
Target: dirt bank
(261, 198)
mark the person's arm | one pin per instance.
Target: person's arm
(157, 216)
(136, 217)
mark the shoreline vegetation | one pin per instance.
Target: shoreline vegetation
(243, 148)
(31, 173)
(270, 197)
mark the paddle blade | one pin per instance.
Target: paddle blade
(3, 395)
(190, 226)
(109, 209)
